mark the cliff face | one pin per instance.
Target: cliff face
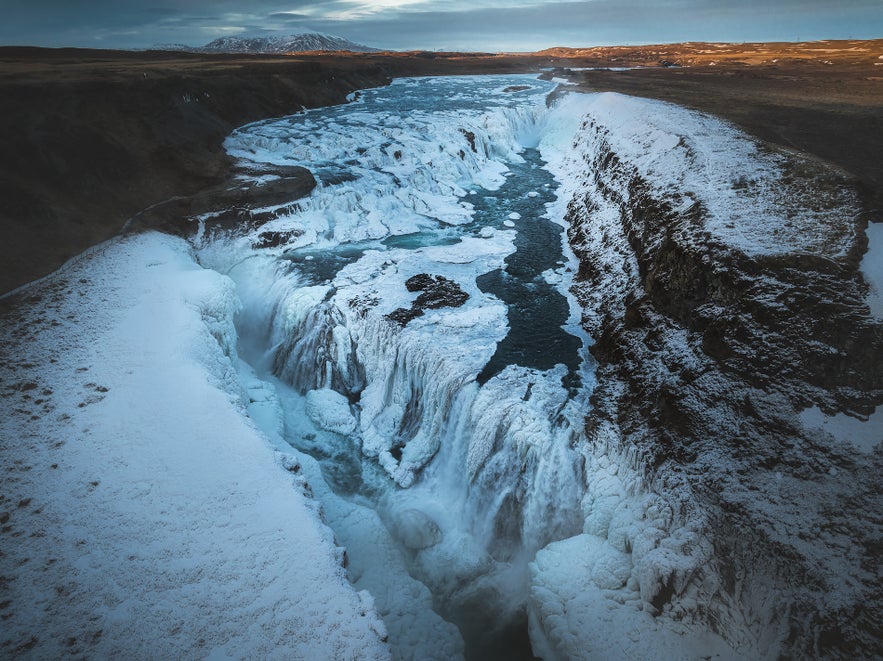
(712, 344)
(92, 138)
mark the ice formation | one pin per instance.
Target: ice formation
(501, 504)
(469, 502)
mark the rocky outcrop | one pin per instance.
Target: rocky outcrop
(707, 356)
(436, 291)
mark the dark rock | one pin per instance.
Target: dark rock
(470, 137)
(274, 239)
(443, 294)
(436, 292)
(419, 282)
(402, 316)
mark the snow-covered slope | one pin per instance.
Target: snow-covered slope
(749, 197)
(294, 43)
(144, 514)
(720, 281)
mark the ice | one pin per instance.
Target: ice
(577, 610)
(865, 435)
(456, 502)
(375, 563)
(329, 410)
(404, 170)
(872, 268)
(470, 488)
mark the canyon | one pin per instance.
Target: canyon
(685, 465)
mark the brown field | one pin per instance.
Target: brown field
(91, 138)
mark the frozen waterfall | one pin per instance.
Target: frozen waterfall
(413, 342)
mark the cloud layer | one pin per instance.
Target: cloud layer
(488, 25)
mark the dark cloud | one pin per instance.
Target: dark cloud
(624, 21)
(436, 24)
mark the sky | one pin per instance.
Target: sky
(486, 25)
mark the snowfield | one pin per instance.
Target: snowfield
(144, 514)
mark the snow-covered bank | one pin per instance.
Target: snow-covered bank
(719, 279)
(144, 515)
(750, 198)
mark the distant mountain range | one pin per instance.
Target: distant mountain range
(294, 43)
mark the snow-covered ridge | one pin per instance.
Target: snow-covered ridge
(151, 517)
(293, 43)
(750, 198)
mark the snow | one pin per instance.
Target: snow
(744, 189)
(151, 517)
(430, 466)
(585, 619)
(329, 410)
(864, 435)
(872, 268)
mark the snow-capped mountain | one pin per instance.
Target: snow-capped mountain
(309, 41)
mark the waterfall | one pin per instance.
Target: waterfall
(432, 477)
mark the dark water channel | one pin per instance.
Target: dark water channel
(537, 310)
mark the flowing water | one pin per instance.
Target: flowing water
(441, 449)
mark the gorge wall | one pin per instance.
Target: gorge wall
(719, 279)
(712, 343)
